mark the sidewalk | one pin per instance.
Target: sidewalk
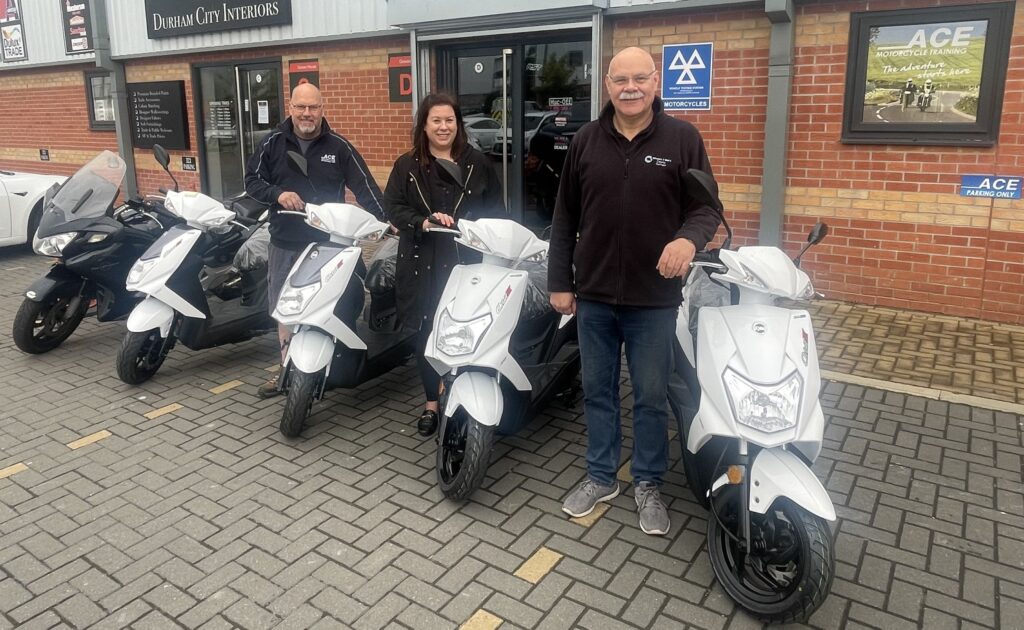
(935, 356)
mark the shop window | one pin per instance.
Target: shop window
(930, 76)
(99, 94)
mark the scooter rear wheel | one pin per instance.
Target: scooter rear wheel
(788, 573)
(463, 452)
(302, 392)
(141, 355)
(42, 326)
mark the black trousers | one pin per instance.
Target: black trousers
(430, 378)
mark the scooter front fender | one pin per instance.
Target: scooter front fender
(778, 473)
(310, 351)
(58, 282)
(149, 314)
(479, 394)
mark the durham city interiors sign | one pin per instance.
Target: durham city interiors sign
(170, 18)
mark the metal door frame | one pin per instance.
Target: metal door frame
(197, 104)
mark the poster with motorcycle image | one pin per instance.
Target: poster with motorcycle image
(924, 73)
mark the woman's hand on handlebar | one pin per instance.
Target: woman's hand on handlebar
(438, 218)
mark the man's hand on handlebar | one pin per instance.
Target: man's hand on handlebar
(291, 201)
(438, 218)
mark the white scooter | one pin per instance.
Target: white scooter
(321, 301)
(499, 368)
(755, 426)
(180, 273)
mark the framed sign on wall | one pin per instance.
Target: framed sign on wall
(927, 76)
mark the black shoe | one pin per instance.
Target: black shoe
(427, 423)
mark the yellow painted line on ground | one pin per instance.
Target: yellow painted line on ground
(89, 439)
(156, 413)
(590, 519)
(13, 470)
(925, 392)
(482, 620)
(538, 565)
(624, 474)
(220, 389)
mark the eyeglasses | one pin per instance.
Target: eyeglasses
(637, 79)
(304, 108)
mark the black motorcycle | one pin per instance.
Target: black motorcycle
(94, 244)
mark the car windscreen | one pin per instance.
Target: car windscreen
(90, 191)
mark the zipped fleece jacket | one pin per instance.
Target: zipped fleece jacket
(624, 201)
(333, 165)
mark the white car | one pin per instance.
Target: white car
(532, 121)
(21, 204)
(484, 129)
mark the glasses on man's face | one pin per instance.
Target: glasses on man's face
(639, 80)
(306, 108)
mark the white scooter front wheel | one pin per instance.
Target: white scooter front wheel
(787, 573)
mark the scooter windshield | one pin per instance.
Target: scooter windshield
(88, 193)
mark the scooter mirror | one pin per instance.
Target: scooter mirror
(451, 172)
(818, 233)
(702, 187)
(162, 158)
(298, 161)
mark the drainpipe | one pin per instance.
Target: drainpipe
(101, 43)
(776, 137)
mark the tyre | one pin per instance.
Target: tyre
(302, 391)
(789, 572)
(141, 355)
(463, 452)
(42, 326)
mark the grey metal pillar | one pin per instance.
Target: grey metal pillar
(776, 137)
(122, 123)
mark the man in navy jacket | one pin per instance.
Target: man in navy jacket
(333, 165)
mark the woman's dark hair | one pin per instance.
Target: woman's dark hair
(420, 143)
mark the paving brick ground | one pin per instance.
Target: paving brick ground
(204, 516)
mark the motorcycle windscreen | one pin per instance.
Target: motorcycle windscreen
(89, 193)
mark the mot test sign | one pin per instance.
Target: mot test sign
(993, 186)
(686, 71)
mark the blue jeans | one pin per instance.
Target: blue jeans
(648, 335)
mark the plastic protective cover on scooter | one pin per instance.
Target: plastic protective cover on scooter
(344, 220)
(479, 394)
(198, 210)
(502, 238)
(765, 345)
(777, 473)
(255, 251)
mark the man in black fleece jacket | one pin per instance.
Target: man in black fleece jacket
(333, 165)
(623, 235)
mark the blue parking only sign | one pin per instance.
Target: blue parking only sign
(686, 76)
(992, 186)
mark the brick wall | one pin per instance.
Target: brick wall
(47, 109)
(354, 83)
(901, 235)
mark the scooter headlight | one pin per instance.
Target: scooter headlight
(293, 300)
(474, 241)
(456, 338)
(139, 271)
(53, 245)
(767, 408)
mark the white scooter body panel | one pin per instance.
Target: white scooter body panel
(778, 473)
(318, 312)
(472, 292)
(154, 281)
(765, 270)
(765, 345)
(479, 394)
(151, 313)
(310, 351)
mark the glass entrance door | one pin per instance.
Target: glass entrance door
(521, 104)
(241, 104)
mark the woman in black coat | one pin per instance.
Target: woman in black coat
(416, 192)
